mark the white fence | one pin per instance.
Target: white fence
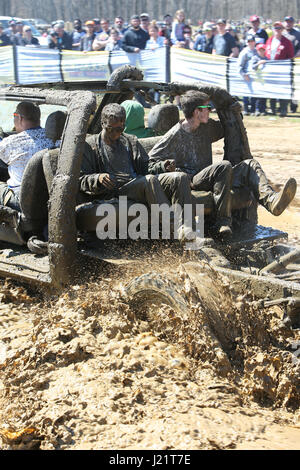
(28, 65)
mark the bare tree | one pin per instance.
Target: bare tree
(194, 9)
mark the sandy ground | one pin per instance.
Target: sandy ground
(82, 371)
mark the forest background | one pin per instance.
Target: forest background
(195, 10)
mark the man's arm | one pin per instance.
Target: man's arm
(89, 174)
(162, 157)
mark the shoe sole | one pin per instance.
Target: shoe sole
(287, 195)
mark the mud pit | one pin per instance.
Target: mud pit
(83, 371)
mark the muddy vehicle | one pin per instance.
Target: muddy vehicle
(257, 258)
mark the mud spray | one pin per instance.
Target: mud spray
(90, 370)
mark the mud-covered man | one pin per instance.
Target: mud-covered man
(189, 145)
(115, 164)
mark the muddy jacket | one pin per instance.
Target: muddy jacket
(95, 161)
(191, 151)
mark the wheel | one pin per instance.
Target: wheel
(156, 299)
(152, 291)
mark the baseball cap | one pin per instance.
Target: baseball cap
(60, 24)
(289, 18)
(261, 46)
(221, 21)
(250, 37)
(144, 15)
(254, 18)
(135, 17)
(278, 23)
(12, 22)
(90, 22)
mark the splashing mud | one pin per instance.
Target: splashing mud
(86, 371)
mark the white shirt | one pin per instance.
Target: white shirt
(17, 149)
(151, 44)
(274, 46)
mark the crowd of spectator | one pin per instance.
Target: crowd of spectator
(253, 42)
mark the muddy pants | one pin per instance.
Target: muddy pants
(222, 177)
(217, 179)
(166, 188)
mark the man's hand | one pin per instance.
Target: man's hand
(107, 180)
(170, 165)
(136, 49)
(246, 78)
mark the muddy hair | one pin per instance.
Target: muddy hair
(112, 112)
(190, 100)
(30, 111)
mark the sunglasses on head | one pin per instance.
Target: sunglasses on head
(208, 106)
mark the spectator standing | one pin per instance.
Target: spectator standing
(224, 43)
(257, 63)
(102, 38)
(119, 26)
(114, 43)
(86, 42)
(294, 36)
(145, 22)
(26, 39)
(243, 68)
(155, 40)
(97, 27)
(19, 27)
(231, 30)
(261, 36)
(4, 39)
(278, 47)
(204, 43)
(12, 32)
(77, 34)
(135, 38)
(166, 29)
(59, 38)
(178, 27)
(187, 42)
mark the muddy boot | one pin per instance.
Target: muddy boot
(9, 216)
(249, 173)
(225, 232)
(221, 230)
(276, 203)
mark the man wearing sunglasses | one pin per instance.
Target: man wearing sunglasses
(116, 164)
(189, 145)
(17, 149)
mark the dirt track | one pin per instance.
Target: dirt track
(81, 372)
